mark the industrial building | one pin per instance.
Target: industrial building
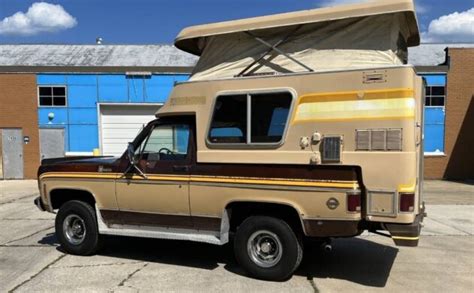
(74, 100)
(448, 70)
(69, 100)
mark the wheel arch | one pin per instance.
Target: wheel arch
(60, 195)
(239, 210)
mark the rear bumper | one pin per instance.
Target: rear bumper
(39, 203)
(406, 234)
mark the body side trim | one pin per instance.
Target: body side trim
(211, 237)
(212, 179)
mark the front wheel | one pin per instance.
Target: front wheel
(76, 228)
(267, 248)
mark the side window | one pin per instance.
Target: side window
(165, 143)
(269, 116)
(229, 122)
(258, 118)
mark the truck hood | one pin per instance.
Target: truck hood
(76, 164)
(79, 160)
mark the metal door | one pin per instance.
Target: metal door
(12, 153)
(51, 142)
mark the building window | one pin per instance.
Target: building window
(259, 118)
(52, 96)
(435, 96)
(434, 117)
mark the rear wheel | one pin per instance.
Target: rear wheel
(267, 248)
(76, 228)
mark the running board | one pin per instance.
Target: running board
(161, 233)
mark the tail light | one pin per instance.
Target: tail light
(353, 201)
(407, 202)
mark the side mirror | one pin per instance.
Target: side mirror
(133, 162)
(131, 153)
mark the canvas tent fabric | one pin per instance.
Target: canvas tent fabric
(367, 35)
(364, 42)
(191, 38)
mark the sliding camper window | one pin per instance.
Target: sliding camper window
(250, 119)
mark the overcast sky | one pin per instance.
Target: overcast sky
(158, 21)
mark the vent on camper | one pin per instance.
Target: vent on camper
(394, 140)
(331, 149)
(379, 139)
(374, 76)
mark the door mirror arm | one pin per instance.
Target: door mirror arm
(131, 154)
(133, 162)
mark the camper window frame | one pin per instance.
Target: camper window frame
(248, 144)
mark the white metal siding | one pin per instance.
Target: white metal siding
(120, 124)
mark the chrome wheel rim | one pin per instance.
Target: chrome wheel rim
(74, 229)
(264, 248)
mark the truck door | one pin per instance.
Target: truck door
(160, 195)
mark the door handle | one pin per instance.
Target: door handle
(181, 168)
(419, 133)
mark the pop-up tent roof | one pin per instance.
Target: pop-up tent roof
(188, 38)
(378, 30)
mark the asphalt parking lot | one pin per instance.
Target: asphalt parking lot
(31, 260)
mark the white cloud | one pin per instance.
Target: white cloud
(40, 17)
(454, 27)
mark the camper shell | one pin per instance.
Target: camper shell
(292, 126)
(373, 109)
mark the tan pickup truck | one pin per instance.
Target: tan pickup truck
(296, 128)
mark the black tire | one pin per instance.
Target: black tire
(263, 226)
(83, 215)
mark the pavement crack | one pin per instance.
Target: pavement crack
(450, 235)
(27, 236)
(122, 283)
(100, 265)
(19, 219)
(19, 198)
(313, 284)
(28, 245)
(39, 272)
(455, 228)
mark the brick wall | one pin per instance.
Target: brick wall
(18, 109)
(459, 127)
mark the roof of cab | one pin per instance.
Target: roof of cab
(188, 38)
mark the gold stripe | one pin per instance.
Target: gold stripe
(350, 119)
(277, 182)
(270, 178)
(405, 238)
(355, 95)
(385, 104)
(198, 178)
(78, 175)
(396, 108)
(161, 178)
(407, 187)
